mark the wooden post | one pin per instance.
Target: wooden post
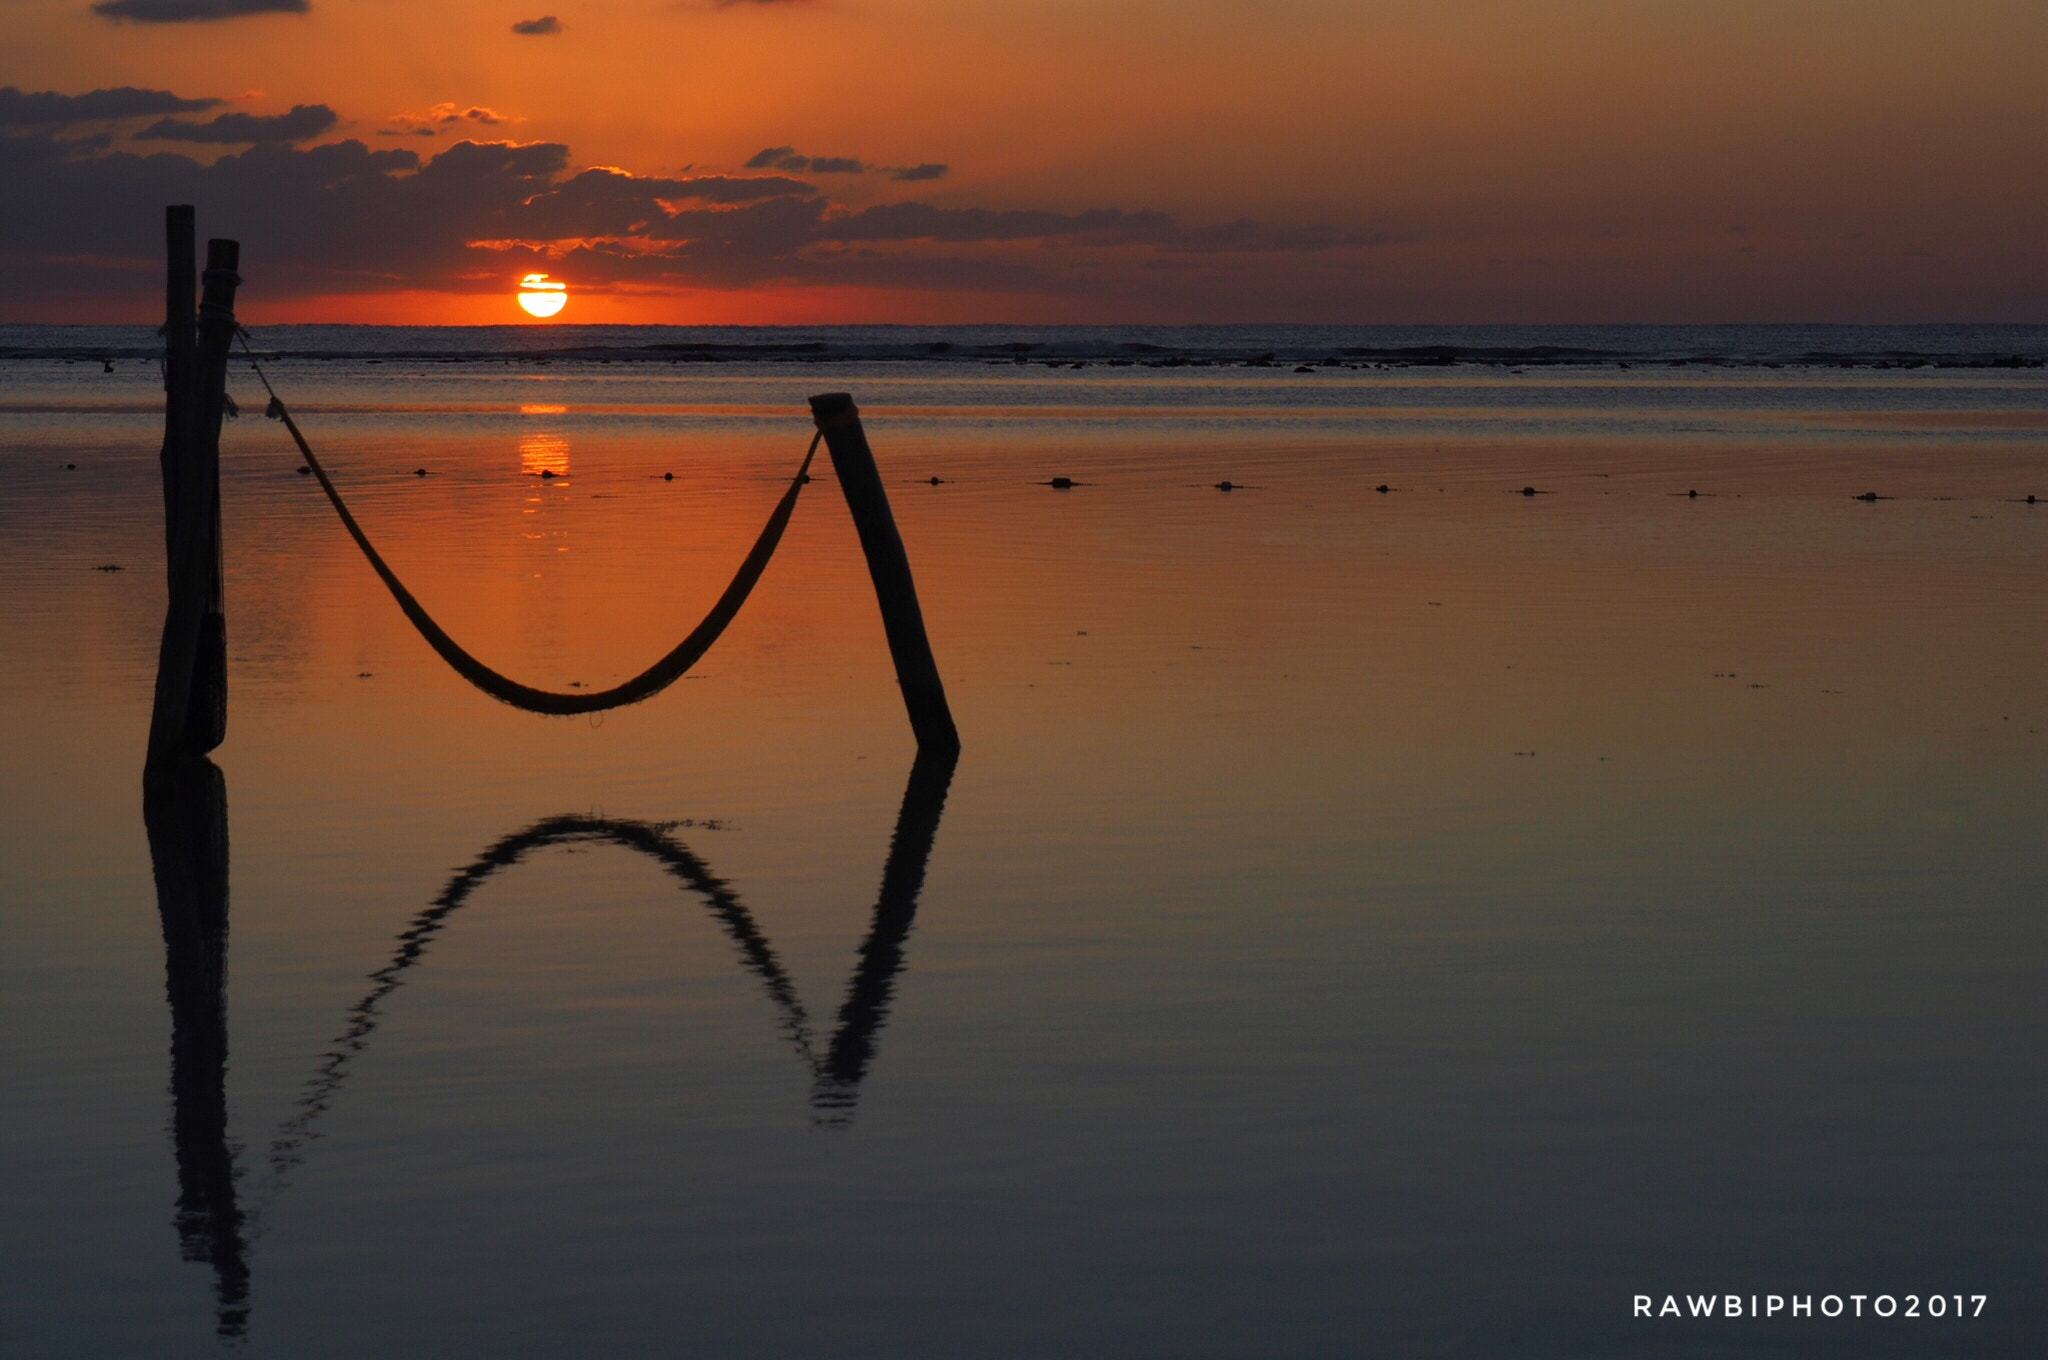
(181, 336)
(206, 716)
(889, 567)
(190, 713)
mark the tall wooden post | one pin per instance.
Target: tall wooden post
(889, 567)
(190, 713)
(181, 337)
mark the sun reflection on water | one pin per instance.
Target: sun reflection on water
(543, 455)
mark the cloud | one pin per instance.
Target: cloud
(608, 202)
(323, 220)
(1247, 235)
(764, 234)
(923, 222)
(787, 158)
(444, 115)
(19, 108)
(733, 189)
(538, 28)
(302, 124)
(193, 11)
(304, 213)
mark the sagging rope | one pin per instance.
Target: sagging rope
(645, 685)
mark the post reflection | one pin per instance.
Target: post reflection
(836, 1073)
(837, 1078)
(186, 815)
(653, 839)
(185, 812)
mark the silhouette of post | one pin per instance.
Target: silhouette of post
(873, 984)
(889, 567)
(189, 717)
(181, 338)
(185, 810)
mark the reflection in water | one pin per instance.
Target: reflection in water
(540, 453)
(186, 814)
(881, 955)
(836, 1074)
(652, 839)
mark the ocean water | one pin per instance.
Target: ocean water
(1374, 911)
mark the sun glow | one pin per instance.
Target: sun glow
(542, 296)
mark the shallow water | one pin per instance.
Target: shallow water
(1361, 922)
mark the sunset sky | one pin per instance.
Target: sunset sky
(1036, 160)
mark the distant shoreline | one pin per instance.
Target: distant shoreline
(2009, 346)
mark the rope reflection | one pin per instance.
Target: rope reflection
(186, 818)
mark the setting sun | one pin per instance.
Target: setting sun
(541, 296)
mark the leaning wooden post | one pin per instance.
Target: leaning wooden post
(889, 567)
(190, 713)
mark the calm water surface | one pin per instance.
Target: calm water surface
(1405, 921)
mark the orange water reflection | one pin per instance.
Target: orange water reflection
(1503, 808)
(1469, 623)
(543, 453)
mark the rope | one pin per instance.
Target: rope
(645, 685)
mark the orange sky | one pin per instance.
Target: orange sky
(1488, 160)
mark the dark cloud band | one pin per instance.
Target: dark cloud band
(342, 218)
(302, 124)
(193, 11)
(47, 108)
